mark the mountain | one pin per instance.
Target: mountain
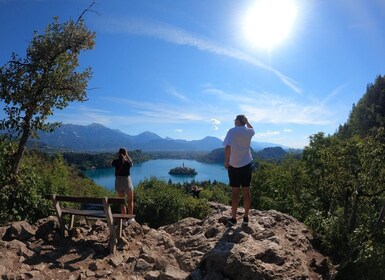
(96, 137)
(269, 153)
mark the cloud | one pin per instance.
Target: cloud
(178, 130)
(287, 130)
(83, 115)
(174, 92)
(179, 36)
(157, 113)
(267, 134)
(215, 127)
(333, 94)
(215, 121)
(270, 108)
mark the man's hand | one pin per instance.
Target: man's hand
(226, 164)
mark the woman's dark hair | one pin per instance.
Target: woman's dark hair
(122, 153)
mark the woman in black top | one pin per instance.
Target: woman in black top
(123, 183)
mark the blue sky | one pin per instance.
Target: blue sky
(185, 68)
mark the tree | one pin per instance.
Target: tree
(369, 113)
(46, 79)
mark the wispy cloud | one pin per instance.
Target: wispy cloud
(178, 130)
(333, 94)
(174, 92)
(179, 36)
(269, 108)
(215, 121)
(266, 134)
(158, 113)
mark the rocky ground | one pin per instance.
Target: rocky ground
(273, 246)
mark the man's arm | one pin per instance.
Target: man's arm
(246, 121)
(227, 156)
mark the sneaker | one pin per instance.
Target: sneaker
(128, 222)
(245, 221)
(231, 221)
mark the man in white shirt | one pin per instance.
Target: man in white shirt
(238, 162)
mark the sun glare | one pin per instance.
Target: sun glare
(267, 23)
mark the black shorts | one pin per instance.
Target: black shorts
(240, 176)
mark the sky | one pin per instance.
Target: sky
(185, 68)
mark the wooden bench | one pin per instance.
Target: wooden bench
(113, 219)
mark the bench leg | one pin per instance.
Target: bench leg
(110, 221)
(120, 226)
(72, 219)
(59, 215)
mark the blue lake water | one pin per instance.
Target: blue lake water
(159, 168)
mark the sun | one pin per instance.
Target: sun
(267, 23)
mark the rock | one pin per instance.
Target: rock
(142, 265)
(273, 246)
(19, 230)
(46, 227)
(173, 273)
(116, 260)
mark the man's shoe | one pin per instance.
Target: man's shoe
(231, 222)
(245, 221)
(126, 223)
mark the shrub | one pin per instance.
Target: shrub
(158, 203)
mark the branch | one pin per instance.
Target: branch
(19, 63)
(373, 194)
(348, 258)
(86, 10)
(378, 222)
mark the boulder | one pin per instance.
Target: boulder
(272, 246)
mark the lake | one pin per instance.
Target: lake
(159, 168)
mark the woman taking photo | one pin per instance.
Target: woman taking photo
(123, 183)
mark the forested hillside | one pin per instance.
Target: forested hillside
(337, 188)
(369, 114)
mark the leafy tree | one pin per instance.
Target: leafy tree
(369, 113)
(46, 79)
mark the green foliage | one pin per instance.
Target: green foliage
(337, 188)
(46, 79)
(22, 196)
(369, 113)
(216, 192)
(158, 204)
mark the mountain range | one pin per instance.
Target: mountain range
(96, 137)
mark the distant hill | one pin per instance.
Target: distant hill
(270, 153)
(98, 138)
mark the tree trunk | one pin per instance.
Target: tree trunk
(353, 217)
(20, 150)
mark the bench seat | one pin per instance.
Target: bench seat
(113, 219)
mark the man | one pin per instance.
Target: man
(238, 162)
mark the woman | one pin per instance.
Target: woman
(123, 184)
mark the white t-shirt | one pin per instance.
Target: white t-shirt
(239, 138)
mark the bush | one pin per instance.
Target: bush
(158, 203)
(22, 197)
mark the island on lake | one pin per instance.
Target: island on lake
(182, 170)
